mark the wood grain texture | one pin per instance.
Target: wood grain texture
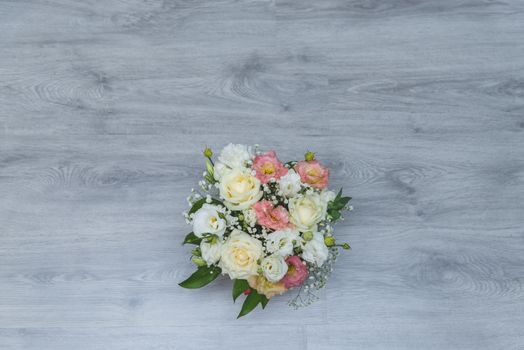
(418, 107)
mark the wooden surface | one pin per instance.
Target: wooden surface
(418, 106)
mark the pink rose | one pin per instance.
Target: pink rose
(271, 217)
(267, 167)
(296, 273)
(312, 173)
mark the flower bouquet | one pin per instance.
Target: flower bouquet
(265, 224)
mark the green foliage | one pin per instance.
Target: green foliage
(239, 286)
(198, 261)
(251, 302)
(191, 238)
(337, 205)
(199, 203)
(210, 172)
(263, 301)
(201, 277)
(291, 163)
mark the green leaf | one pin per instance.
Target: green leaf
(338, 205)
(250, 303)
(201, 277)
(199, 203)
(339, 202)
(263, 301)
(344, 201)
(239, 286)
(334, 205)
(335, 214)
(191, 238)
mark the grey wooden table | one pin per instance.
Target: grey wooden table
(418, 106)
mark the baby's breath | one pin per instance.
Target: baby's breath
(318, 277)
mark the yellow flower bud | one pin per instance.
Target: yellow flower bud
(308, 235)
(208, 152)
(329, 241)
(309, 156)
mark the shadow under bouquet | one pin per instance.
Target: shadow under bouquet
(267, 225)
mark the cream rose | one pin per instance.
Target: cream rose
(306, 211)
(239, 189)
(239, 255)
(207, 220)
(274, 267)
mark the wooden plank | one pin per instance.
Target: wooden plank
(416, 106)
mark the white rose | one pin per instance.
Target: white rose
(306, 211)
(315, 250)
(210, 251)
(207, 220)
(239, 189)
(281, 241)
(290, 184)
(219, 169)
(235, 156)
(239, 255)
(274, 267)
